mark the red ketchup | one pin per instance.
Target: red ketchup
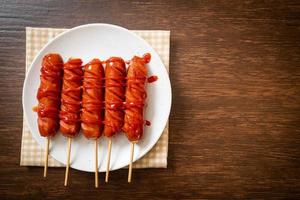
(152, 79)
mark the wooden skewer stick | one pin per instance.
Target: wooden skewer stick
(68, 162)
(96, 163)
(131, 159)
(46, 157)
(108, 160)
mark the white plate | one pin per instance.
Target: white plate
(101, 41)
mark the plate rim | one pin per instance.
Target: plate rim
(74, 29)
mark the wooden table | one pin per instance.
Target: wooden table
(235, 120)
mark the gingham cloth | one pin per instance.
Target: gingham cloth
(31, 152)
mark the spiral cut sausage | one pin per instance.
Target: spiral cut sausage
(71, 98)
(48, 94)
(115, 74)
(92, 100)
(135, 97)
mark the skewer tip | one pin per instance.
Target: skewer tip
(131, 160)
(68, 162)
(96, 164)
(46, 157)
(108, 160)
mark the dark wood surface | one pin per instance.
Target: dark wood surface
(235, 120)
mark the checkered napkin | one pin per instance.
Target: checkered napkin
(33, 155)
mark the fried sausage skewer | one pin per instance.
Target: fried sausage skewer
(135, 100)
(115, 74)
(48, 96)
(70, 104)
(92, 105)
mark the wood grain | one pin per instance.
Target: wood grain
(235, 120)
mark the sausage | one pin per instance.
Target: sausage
(92, 100)
(115, 74)
(71, 98)
(48, 94)
(135, 97)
